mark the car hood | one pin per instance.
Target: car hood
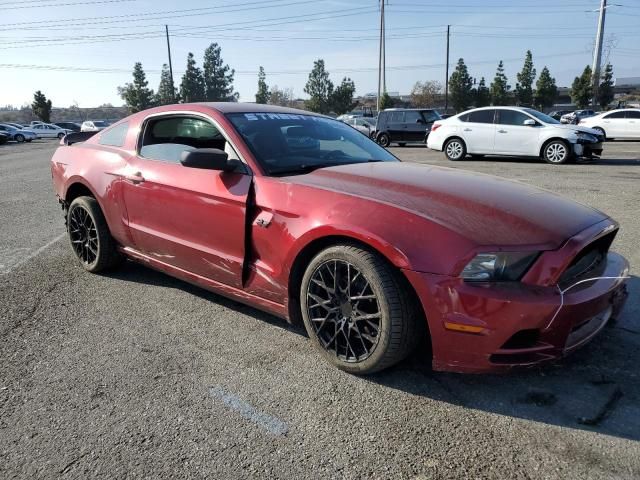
(486, 210)
(576, 128)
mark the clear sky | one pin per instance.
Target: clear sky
(80, 51)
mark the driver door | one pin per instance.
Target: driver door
(190, 218)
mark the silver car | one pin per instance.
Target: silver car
(16, 134)
(48, 130)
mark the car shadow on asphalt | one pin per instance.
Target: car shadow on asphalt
(134, 272)
(596, 389)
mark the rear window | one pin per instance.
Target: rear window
(115, 136)
(481, 116)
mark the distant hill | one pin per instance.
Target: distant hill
(60, 114)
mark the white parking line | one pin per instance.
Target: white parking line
(7, 264)
(271, 424)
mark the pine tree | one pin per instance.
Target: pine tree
(582, 89)
(341, 100)
(263, 89)
(218, 77)
(166, 92)
(524, 87)
(499, 87)
(386, 101)
(546, 90)
(319, 88)
(605, 90)
(461, 87)
(482, 94)
(41, 107)
(192, 86)
(137, 96)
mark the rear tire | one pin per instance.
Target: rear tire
(384, 140)
(357, 311)
(556, 152)
(61, 135)
(455, 149)
(89, 236)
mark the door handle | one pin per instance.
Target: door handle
(467, 130)
(135, 178)
(502, 131)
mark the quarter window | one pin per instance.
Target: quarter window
(633, 114)
(512, 117)
(481, 116)
(115, 136)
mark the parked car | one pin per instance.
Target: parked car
(621, 124)
(512, 131)
(48, 130)
(4, 138)
(557, 114)
(74, 127)
(17, 125)
(362, 124)
(575, 117)
(93, 126)
(17, 135)
(371, 254)
(404, 125)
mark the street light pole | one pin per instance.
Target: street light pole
(173, 89)
(382, 82)
(446, 74)
(597, 52)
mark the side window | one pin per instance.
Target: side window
(481, 116)
(633, 114)
(396, 117)
(412, 117)
(615, 115)
(430, 116)
(464, 118)
(115, 136)
(512, 117)
(166, 138)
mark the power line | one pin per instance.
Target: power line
(20, 5)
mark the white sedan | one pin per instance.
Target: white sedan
(93, 126)
(47, 130)
(513, 132)
(622, 124)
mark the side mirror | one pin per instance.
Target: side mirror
(530, 122)
(420, 121)
(208, 159)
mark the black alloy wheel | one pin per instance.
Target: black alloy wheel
(357, 310)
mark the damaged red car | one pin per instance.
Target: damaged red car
(304, 217)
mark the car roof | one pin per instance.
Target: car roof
(246, 107)
(406, 109)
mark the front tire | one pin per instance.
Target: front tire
(602, 132)
(556, 152)
(89, 236)
(455, 149)
(19, 138)
(357, 311)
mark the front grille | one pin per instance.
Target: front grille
(590, 261)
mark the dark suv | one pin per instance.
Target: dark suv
(404, 125)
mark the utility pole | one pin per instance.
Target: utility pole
(382, 81)
(446, 74)
(173, 88)
(597, 51)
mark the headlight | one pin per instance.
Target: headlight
(498, 267)
(585, 136)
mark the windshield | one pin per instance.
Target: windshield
(289, 144)
(541, 116)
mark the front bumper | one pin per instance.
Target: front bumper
(587, 149)
(516, 324)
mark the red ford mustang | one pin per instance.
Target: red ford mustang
(307, 218)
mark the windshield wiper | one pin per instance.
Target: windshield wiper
(302, 169)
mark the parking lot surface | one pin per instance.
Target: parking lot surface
(135, 374)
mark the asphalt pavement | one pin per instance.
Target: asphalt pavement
(137, 375)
